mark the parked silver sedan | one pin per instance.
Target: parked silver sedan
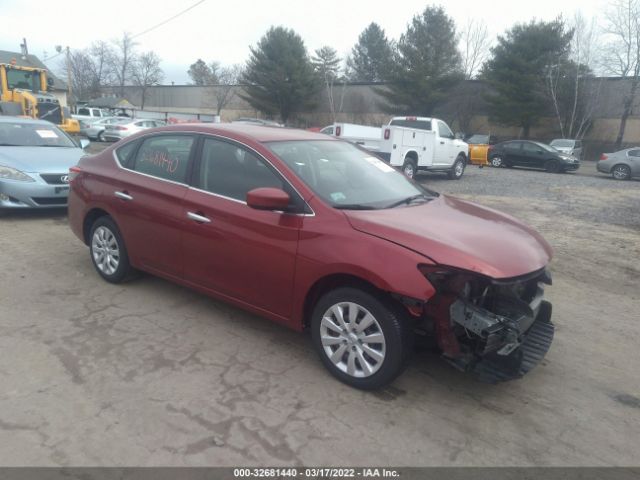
(94, 129)
(127, 127)
(35, 157)
(623, 165)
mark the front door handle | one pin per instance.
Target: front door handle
(441, 143)
(198, 218)
(123, 195)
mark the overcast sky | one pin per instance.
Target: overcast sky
(224, 30)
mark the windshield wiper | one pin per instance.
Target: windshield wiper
(354, 206)
(408, 200)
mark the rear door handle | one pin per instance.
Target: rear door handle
(123, 195)
(198, 218)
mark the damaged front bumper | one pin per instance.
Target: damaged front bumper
(519, 352)
(500, 332)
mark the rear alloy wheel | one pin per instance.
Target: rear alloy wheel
(360, 340)
(552, 166)
(496, 161)
(409, 168)
(101, 137)
(621, 172)
(457, 170)
(108, 253)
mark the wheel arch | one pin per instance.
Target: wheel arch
(331, 282)
(89, 219)
(463, 155)
(412, 154)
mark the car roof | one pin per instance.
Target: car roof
(32, 121)
(257, 133)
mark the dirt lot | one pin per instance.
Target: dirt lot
(149, 373)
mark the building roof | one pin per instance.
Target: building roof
(31, 61)
(111, 102)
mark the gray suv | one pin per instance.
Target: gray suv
(623, 165)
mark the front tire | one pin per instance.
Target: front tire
(360, 339)
(101, 137)
(108, 252)
(621, 172)
(552, 166)
(457, 170)
(496, 161)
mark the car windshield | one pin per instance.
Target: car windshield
(22, 134)
(562, 143)
(347, 177)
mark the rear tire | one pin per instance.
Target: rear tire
(101, 137)
(362, 340)
(108, 251)
(552, 166)
(457, 170)
(410, 167)
(496, 161)
(621, 172)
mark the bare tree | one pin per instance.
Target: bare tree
(226, 79)
(145, 72)
(100, 52)
(327, 65)
(475, 45)
(622, 51)
(122, 59)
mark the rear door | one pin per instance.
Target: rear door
(152, 186)
(512, 152)
(230, 248)
(634, 161)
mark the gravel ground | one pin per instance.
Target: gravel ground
(150, 373)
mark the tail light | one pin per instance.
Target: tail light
(73, 173)
(490, 148)
(387, 133)
(118, 127)
(604, 156)
(338, 130)
(412, 119)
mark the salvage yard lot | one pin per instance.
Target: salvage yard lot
(150, 373)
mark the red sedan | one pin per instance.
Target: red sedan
(317, 234)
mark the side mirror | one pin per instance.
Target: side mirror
(268, 199)
(84, 143)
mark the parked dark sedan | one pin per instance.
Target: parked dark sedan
(525, 153)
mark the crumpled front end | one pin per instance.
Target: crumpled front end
(497, 329)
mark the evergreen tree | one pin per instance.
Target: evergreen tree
(426, 64)
(521, 63)
(279, 77)
(370, 58)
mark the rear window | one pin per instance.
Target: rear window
(417, 124)
(164, 156)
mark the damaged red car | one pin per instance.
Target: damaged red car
(317, 234)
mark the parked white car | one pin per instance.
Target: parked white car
(417, 144)
(91, 113)
(126, 128)
(568, 146)
(94, 129)
(367, 137)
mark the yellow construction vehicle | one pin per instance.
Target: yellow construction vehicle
(24, 92)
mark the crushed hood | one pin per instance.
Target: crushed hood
(460, 234)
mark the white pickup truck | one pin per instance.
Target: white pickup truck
(423, 144)
(367, 137)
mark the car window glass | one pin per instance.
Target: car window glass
(579, 144)
(229, 170)
(444, 130)
(512, 145)
(165, 156)
(83, 111)
(530, 147)
(124, 153)
(634, 153)
(327, 131)
(417, 124)
(95, 112)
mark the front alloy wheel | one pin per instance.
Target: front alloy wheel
(621, 172)
(362, 338)
(352, 339)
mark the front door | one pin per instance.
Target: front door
(148, 198)
(445, 150)
(230, 248)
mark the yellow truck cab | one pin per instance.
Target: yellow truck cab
(24, 92)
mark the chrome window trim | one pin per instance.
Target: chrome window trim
(216, 136)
